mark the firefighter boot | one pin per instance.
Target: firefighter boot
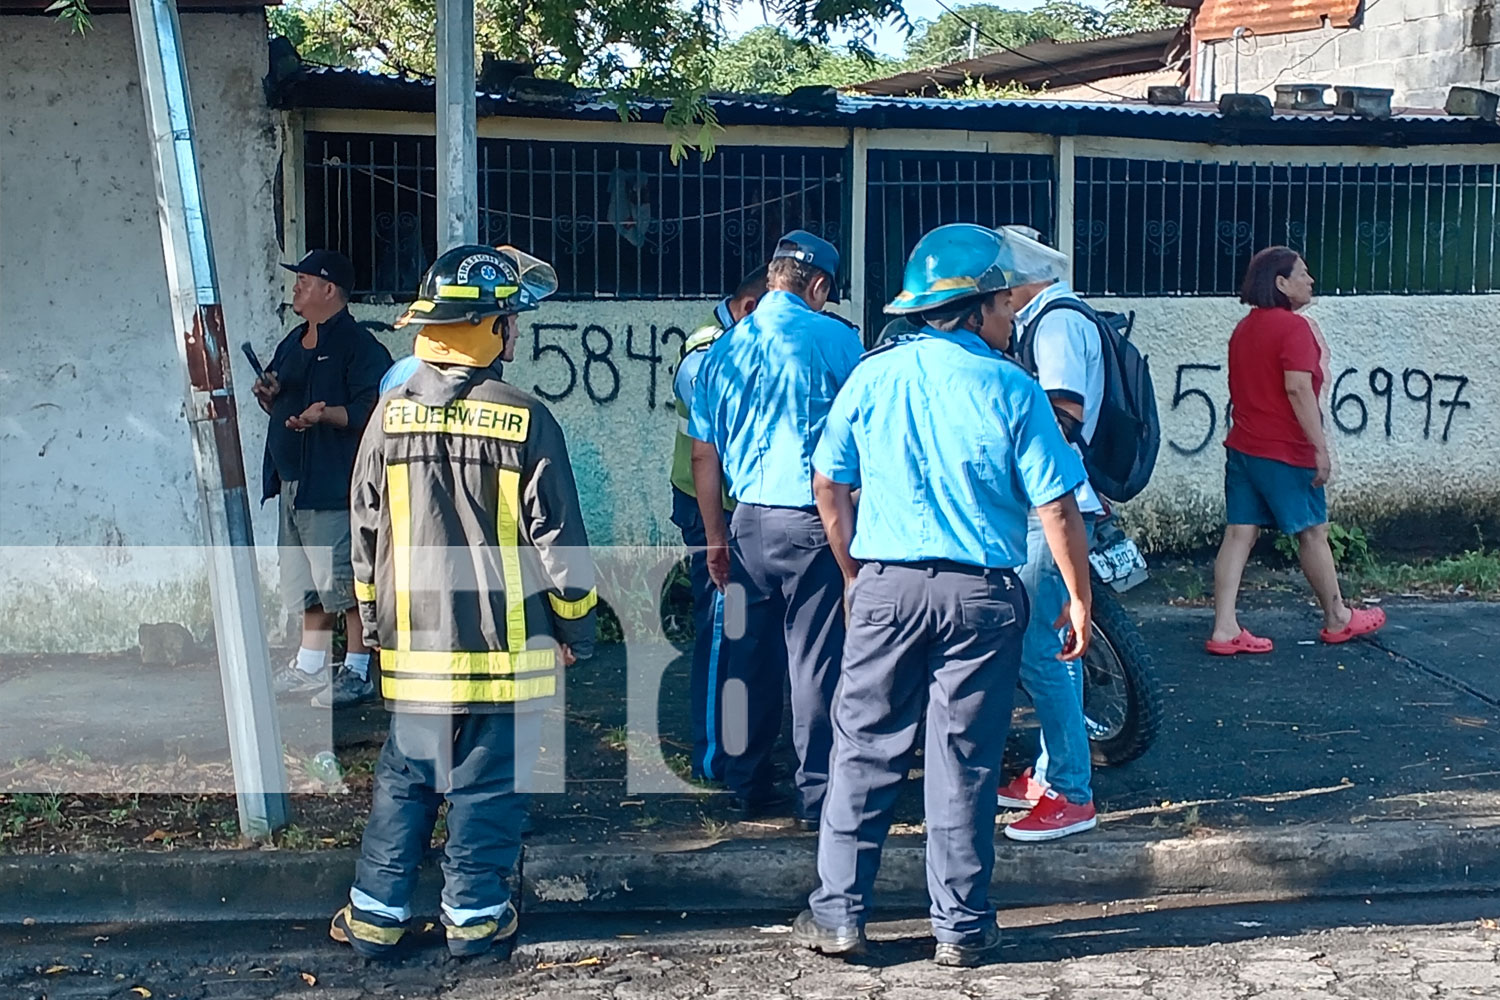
(477, 936)
(369, 934)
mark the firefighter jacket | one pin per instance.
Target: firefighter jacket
(470, 557)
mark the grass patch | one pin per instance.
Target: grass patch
(1474, 573)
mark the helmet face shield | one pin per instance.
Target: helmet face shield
(1029, 260)
(963, 261)
(536, 279)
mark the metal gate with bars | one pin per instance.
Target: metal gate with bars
(616, 220)
(622, 221)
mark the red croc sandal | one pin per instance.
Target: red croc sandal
(1242, 643)
(1362, 621)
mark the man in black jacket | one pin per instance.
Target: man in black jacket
(319, 389)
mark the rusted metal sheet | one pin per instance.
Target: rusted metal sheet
(1217, 19)
(207, 348)
(227, 434)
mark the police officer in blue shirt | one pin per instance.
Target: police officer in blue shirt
(951, 445)
(759, 404)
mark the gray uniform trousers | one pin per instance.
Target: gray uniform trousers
(946, 637)
(471, 760)
(789, 624)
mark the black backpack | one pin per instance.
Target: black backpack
(1122, 455)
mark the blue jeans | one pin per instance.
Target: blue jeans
(706, 685)
(1055, 688)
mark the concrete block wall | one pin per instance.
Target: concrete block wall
(1418, 48)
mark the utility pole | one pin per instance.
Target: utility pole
(973, 39)
(202, 347)
(457, 153)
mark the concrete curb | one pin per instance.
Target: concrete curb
(775, 876)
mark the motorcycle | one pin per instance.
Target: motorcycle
(1122, 700)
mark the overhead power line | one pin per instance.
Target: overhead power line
(1033, 59)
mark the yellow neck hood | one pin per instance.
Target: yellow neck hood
(462, 343)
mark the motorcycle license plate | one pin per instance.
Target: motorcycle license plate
(1118, 562)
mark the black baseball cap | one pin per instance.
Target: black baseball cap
(329, 265)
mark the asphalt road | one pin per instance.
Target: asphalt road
(1433, 947)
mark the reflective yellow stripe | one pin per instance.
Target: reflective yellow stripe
(949, 284)
(473, 932)
(398, 498)
(364, 591)
(371, 933)
(422, 306)
(507, 516)
(458, 292)
(574, 609)
(484, 662)
(467, 692)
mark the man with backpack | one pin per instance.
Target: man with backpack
(1060, 340)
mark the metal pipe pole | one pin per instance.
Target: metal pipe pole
(457, 144)
(202, 347)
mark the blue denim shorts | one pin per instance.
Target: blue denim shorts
(1271, 494)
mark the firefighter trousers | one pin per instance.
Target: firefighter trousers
(475, 762)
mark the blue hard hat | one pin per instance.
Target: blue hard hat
(963, 261)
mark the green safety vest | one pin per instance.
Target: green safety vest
(682, 447)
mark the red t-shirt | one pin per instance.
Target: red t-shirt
(1266, 345)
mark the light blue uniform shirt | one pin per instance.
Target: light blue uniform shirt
(952, 445)
(763, 394)
(399, 372)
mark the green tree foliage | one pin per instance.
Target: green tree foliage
(1141, 15)
(770, 61)
(657, 45)
(677, 48)
(73, 13)
(948, 38)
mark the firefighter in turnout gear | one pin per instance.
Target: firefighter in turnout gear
(473, 574)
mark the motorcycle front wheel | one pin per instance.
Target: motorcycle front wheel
(1122, 703)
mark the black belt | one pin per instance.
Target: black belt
(934, 566)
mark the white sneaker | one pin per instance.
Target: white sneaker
(292, 680)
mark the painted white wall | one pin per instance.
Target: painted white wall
(1422, 464)
(1419, 48)
(619, 439)
(621, 446)
(94, 450)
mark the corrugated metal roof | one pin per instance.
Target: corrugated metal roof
(1217, 19)
(317, 87)
(1130, 87)
(1039, 62)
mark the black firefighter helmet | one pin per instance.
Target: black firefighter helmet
(473, 282)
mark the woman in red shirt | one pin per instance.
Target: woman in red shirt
(1278, 459)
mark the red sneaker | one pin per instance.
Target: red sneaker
(1054, 817)
(1022, 793)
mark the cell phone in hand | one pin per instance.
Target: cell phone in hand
(260, 372)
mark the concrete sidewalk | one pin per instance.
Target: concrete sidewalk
(1368, 767)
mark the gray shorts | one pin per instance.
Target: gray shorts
(314, 552)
